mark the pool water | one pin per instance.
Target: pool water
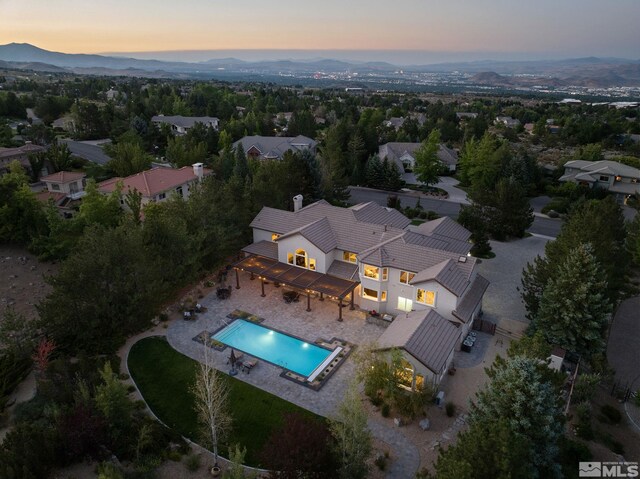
(272, 346)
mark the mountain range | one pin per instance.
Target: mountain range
(586, 72)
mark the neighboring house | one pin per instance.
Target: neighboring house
(112, 95)
(181, 124)
(158, 184)
(21, 155)
(427, 341)
(366, 255)
(528, 127)
(464, 115)
(65, 123)
(70, 183)
(65, 188)
(274, 147)
(621, 180)
(394, 122)
(508, 121)
(403, 154)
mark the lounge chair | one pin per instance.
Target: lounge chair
(247, 366)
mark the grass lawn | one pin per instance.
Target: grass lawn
(165, 378)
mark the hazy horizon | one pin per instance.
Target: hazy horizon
(462, 30)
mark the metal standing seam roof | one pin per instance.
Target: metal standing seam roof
(425, 335)
(296, 277)
(471, 299)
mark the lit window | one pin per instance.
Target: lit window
(406, 277)
(405, 304)
(349, 256)
(426, 297)
(370, 294)
(290, 258)
(374, 272)
(274, 236)
(312, 264)
(371, 272)
(301, 258)
(383, 296)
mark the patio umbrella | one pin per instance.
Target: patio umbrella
(233, 360)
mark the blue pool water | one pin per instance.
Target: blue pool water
(277, 348)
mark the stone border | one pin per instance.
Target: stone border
(329, 371)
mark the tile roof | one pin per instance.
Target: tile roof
(471, 299)
(44, 197)
(268, 249)
(21, 150)
(445, 273)
(185, 121)
(152, 182)
(274, 147)
(63, 177)
(318, 232)
(447, 227)
(372, 212)
(395, 150)
(342, 269)
(425, 335)
(604, 166)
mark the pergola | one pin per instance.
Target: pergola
(299, 278)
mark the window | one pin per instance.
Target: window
(301, 258)
(179, 190)
(290, 258)
(383, 296)
(406, 277)
(55, 187)
(162, 196)
(426, 297)
(374, 272)
(604, 178)
(312, 264)
(370, 294)
(349, 256)
(274, 236)
(404, 304)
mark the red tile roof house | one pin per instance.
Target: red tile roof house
(64, 188)
(370, 256)
(158, 184)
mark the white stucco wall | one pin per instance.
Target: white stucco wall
(292, 243)
(261, 235)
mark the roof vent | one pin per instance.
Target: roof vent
(462, 259)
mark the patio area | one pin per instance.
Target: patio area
(293, 318)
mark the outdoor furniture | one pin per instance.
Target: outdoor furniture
(466, 346)
(188, 315)
(290, 296)
(247, 366)
(223, 293)
(238, 356)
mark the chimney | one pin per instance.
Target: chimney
(198, 170)
(297, 202)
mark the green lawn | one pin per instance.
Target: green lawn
(165, 377)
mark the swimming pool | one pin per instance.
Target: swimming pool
(277, 348)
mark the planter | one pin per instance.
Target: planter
(216, 471)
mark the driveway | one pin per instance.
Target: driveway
(502, 299)
(623, 349)
(90, 151)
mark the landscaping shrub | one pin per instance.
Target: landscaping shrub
(386, 410)
(12, 371)
(193, 462)
(381, 462)
(377, 400)
(583, 425)
(561, 205)
(450, 409)
(610, 414)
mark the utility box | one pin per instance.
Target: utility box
(440, 399)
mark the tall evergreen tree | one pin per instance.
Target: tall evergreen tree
(428, 166)
(574, 309)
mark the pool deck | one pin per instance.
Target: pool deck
(293, 319)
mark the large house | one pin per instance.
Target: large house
(20, 154)
(64, 188)
(274, 147)
(181, 124)
(370, 256)
(158, 184)
(403, 154)
(621, 180)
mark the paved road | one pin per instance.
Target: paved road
(87, 151)
(623, 350)
(542, 226)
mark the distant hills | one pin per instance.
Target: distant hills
(585, 72)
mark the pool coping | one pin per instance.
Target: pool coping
(205, 337)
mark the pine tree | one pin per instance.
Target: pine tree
(574, 308)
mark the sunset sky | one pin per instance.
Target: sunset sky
(539, 28)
